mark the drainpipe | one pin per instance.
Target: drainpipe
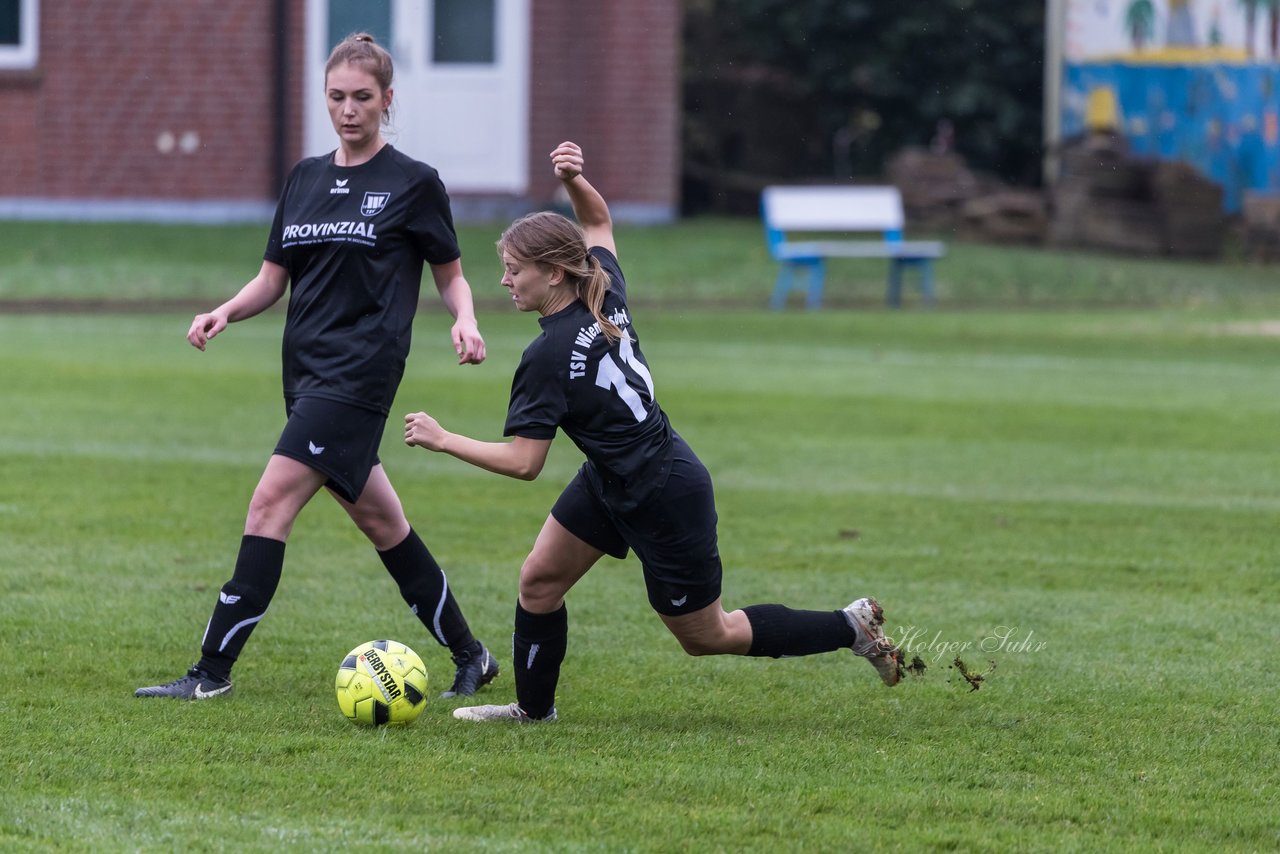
(280, 96)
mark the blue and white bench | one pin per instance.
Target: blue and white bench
(875, 212)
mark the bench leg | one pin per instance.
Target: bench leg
(893, 295)
(782, 287)
(817, 273)
(926, 281)
(814, 268)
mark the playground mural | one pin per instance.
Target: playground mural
(1190, 80)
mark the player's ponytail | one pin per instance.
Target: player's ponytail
(591, 290)
(551, 240)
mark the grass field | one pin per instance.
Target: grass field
(1079, 503)
(703, 264)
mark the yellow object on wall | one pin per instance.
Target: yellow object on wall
(1102, 111)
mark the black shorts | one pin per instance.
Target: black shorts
(336, 439)
(673, 534)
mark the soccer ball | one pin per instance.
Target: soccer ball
(382, 682)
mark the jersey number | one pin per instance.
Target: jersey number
(610, 376)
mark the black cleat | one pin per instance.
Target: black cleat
(196, 685)
(475, 670)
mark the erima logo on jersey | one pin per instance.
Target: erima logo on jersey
(314, 230)
(341, 188)
(228, 599)
(315, 451)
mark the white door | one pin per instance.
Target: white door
(461, 101)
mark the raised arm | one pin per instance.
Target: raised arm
(520, 458)
(259, 293)
(589, 207)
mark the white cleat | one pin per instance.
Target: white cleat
(511, 713)
(866, 617)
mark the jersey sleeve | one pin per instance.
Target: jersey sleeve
(537, 399)
(617, 283)
(430, 223)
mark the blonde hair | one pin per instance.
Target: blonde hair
(360, 50)
(553, 241)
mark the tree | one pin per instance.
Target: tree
(828, 89)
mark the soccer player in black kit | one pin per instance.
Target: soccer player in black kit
(641, 487)
(351, 234)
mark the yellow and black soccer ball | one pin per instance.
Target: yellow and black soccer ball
(382, 683)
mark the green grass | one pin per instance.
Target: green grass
(1099, 487)
(703, 263)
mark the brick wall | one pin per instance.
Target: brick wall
(145, 99)
(174, 99)
(607, 75)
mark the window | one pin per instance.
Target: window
(464, 32)
(19, 31)
(367, 16)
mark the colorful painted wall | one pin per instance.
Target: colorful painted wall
(1190, 80)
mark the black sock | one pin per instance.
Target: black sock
(424, 586)
(538, 648)
(778, 631)
(242, 602)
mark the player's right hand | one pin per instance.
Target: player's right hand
(423, 431)
(204, 327)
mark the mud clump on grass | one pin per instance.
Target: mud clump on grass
(974, 678)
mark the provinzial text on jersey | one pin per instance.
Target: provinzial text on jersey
(320, 231)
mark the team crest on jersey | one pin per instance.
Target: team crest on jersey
(373, 202)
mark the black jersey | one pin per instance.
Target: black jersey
(600, 392)
(354, 240)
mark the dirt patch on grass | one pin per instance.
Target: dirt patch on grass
(1256, 329)
(103, 306)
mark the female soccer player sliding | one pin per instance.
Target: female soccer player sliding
(641, 486)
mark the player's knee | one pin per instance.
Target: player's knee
(540, 590)
(267, 516)
(383, 530)
(539, 596)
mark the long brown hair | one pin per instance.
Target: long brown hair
(360, 50)
(553, 241)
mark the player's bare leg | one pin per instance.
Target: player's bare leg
(558, 560)
(283, 490)
(423, 584)
(711, 631)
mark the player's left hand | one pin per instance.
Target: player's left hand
(467, 342)
(567, 161)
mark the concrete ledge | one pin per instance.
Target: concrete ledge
(211, 212)
(466, 210)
